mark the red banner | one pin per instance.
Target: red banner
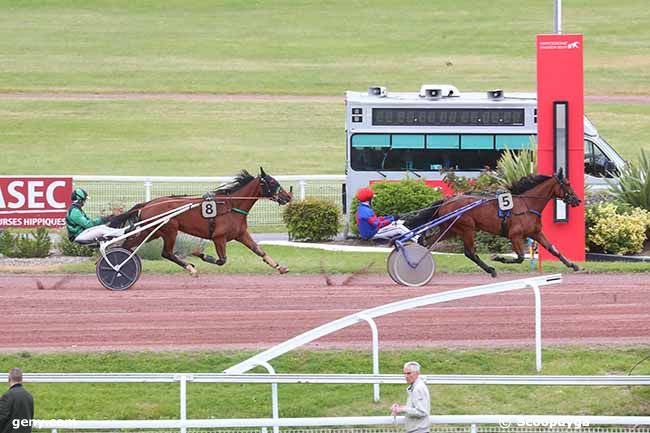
(560, 82)
(34, 201)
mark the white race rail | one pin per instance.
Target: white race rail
(276, 423)
(369, 314)
(276, 379)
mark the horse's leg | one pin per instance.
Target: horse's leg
(220, 247)
(246, 239)
(543, 241)
(470, 252)
(518, 246)
(169, 239)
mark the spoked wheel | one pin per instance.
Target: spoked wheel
(403, 273)
(127, 274)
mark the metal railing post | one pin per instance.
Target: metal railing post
(274, 396)
(538, 326)
(183, 378)
(375, 354)
(147, 190)
(302, 186)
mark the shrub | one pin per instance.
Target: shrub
(35, 244)
(311, 220)
(392, 198)
(616, 229)
(7, 243)
(484, 183)
(73, 249)
(513, 166)
(633, 186)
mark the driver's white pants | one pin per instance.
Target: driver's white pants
(98, 233)
(392, 231)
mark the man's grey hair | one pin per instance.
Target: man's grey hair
(16, 375)
(412, 366)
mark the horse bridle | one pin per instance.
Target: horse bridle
(567, 194)
(266, 189)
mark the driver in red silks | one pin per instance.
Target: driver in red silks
(372, 226)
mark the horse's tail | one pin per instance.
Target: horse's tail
(129, 217)
(417, 218)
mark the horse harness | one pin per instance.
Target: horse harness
(209, 208)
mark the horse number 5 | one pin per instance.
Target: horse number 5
(505, 201)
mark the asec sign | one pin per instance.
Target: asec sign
(34, 201)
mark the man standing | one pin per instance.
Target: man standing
(418, 403)
(16, 406)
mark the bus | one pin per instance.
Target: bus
(392, 136)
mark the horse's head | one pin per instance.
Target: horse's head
(564, 190)
(272, 189)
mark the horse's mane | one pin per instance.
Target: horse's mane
(241, 179)
(527, 182)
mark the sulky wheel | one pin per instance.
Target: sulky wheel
(128, 272)
(390, 264)
(414, 276)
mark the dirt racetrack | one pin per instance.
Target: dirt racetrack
(176, 312)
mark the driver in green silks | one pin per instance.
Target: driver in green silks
(82, 229)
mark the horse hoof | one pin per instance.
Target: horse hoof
(575, 268)
(493, 273)
(192, 270)
(283, 269)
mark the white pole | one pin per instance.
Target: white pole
(183, 416)
(538, 327)
(274, 396)
(558, 17)
(147, 190)
(375, 354)
(302, 186)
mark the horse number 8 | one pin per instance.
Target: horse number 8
(209, 209)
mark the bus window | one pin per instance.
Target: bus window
(407, 141)
(371, 140)
(443, 141)
(473, 142)
(514, 142)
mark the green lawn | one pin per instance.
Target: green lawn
(313, 261)
(212, 138)
(160, 401)
(309, 46)
(281, 47)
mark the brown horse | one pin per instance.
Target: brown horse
(530, 195)
(234, 200)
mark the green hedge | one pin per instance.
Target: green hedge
(616, 228)
(311, 220)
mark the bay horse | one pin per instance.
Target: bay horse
(234, 201)
(530, 195)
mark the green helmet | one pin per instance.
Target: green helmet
(79, 194)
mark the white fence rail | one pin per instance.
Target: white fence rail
(276, 421)
(109, 192)
(473, 420)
